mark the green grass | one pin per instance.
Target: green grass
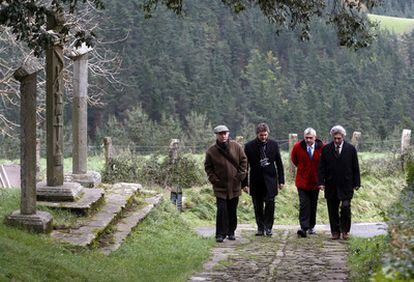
(365, 257)
(162, 248)
(368, 204)
(393, 24)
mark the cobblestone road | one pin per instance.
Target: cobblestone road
(283, 257)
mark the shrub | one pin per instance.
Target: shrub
(399, 261)
(155, 169)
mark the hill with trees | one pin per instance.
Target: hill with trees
(234, 69)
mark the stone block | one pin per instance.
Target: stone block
(69, 191)
(89, 180)
(40, 222)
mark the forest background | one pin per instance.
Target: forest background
(178, 76)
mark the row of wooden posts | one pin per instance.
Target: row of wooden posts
(293, 138)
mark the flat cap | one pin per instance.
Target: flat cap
(220, 128)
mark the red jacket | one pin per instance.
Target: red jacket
(307, 168)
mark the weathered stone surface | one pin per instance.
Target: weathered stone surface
(90, 179)
(130, 220)
(283, 257)
(86, 202)
(117, 196)
(68, 191)
(39, 222)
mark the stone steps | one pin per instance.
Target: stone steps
(117, 197)
(90, 200)
(126, 224)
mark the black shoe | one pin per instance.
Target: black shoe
(219, 239)
(301, 233)
(259, 233)
(269, 232)
(231, 237)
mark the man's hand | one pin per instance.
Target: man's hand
(280, 186)
(322, 187)
(246, 189)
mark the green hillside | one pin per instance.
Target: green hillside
(394, 24)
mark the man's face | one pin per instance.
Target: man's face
(262, 136)
(338, 138)
(310, 139)
(222, 136)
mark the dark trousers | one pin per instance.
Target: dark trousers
(226, 219)
(339, 221)
(177, 200)
(264, 211)
(308, 203)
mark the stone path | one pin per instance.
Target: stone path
(283, 257)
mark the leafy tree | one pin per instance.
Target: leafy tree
(31, 20)
(353, 28)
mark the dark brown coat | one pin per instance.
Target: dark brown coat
(222, 174)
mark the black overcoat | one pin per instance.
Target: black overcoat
(263, 180)
(340, 175)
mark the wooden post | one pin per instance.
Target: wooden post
(293, 138)
(173, 152)
(405, 141)
(107, 141)
(356, 136)
(240, 140)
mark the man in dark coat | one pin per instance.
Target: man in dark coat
(265, 178)
(339, 176)
(226, 167)
(305, 156)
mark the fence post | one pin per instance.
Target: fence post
(405, 141)
(173, 152)
(356, 136)
(240, 140)
(293, 138)
(107, 141)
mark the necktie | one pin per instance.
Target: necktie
(337, 147)
(310, 152)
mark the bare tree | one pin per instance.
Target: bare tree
(104, 66)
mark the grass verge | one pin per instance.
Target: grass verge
(162, 248)
(365, 256)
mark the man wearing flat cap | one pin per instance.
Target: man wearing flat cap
(226, 167)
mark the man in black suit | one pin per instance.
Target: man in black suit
(338, 176)
(266, 176)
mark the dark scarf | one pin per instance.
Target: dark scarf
(262, 148)
(223, 145)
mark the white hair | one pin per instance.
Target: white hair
(310, 131)
(338, 129)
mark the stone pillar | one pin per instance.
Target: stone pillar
(80, 172)
(356, 136)
(405, 141)
(38, 148)
(28, 217)
(107, 141)
(293, 138)
(54, 189)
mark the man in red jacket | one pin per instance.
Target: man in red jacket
(305, 156)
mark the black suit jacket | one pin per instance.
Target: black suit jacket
(263, 180)
(340, 175)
